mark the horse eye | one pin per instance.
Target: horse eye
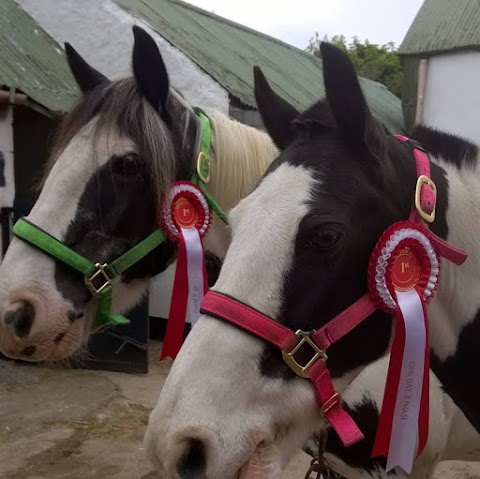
(126, 165)
(324, 239)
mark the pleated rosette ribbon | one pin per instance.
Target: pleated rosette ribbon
(403, 277)
(186, 219)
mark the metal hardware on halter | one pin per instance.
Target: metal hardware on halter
(289, 358)
(89, 280)
(330, 403)
(203, 163)
(424, 180)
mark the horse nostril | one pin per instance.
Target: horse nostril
(21, 318)
(192, 464)
(73, 315)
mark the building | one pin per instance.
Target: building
(209, 58)
(441, 58)
(35, 87)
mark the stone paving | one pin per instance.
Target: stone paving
(75, 424)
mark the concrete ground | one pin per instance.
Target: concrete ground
(74, 424)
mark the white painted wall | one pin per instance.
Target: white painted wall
(7, 192)
(452, 94)
(101, 32)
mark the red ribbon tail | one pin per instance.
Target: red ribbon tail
(178, 307)
(424, 413)
(385, 422)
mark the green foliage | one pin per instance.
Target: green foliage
(377, 62)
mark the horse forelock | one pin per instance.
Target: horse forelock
(118, 108)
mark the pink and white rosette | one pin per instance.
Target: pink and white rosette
(186, 219)
(403, 276)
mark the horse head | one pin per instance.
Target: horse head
(301, 244)
(114, 159)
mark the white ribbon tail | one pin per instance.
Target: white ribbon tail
(403, 442)
(195, 258)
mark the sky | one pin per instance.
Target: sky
(379, 21)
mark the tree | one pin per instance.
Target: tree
(377, 62)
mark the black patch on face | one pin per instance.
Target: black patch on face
(21, 319)
(458, 374)
(360, 193)
(116, 211)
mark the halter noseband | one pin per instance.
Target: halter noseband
(98, 277)
(289, 342)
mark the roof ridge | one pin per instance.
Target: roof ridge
(310, 56)
(202, 11)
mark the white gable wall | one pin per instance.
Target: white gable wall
(452, 94)
(101, 32)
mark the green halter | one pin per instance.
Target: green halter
(99, 277)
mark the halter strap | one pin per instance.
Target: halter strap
(224, 307)
(201, 175)
(99, 277)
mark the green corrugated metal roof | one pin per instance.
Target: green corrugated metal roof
(31, 61)
(228, 51)
(443, 25)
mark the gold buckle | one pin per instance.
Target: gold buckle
(422, 179)
(203, 157)
(89, 281)
(297, 368)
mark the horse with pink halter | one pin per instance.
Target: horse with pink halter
(334, 262)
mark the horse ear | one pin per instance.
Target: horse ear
(276, 113)
(344, 94)
(86, 77)
(149, 70)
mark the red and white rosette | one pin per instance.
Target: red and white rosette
(403, 276)
(186, 219)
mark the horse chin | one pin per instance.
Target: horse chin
(263, 464)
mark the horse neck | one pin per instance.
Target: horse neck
(458, 296)
(241, 154)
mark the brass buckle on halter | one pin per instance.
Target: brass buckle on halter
(422, 179)
(203, 167)
(331, 403)
(102, 273)
(289, 358)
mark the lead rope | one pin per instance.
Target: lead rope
(317, 465)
